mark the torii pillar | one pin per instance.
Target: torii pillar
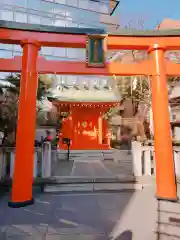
(165, 170)
(24, 158)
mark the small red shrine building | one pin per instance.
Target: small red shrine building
(85, 125)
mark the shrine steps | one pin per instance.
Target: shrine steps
(86, 155)
(93, 187)
(168, 224)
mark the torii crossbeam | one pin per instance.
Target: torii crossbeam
(32, 37)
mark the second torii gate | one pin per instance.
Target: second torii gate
(32, 37)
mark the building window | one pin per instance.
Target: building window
(52, 58)
(73, 3)
(6, 46)
(47, 51)
(5, 54)
(69, 19)
(21, 3)
(17, 48)
(48, 7)
(59, 52)
(94, 6)
(72, 53)
(46, 21)
(72, 24)
(69, 14)
(20, 17)
(3, 75)
(104, 8)
(60, 1)
(60, 22)
(7, 15)
(81, 54)
(59, 11)
(34, 19)
(17, 53)
(83, 4)
(84, 26)
(34, 4)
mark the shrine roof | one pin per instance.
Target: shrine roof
(83, 31)
(83, 95)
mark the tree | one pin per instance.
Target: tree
(44, 84)
(135, 95)
(9, 104)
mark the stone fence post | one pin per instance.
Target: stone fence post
(46, 160)
(12, 159)
(136, 158)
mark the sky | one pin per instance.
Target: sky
(152, 12)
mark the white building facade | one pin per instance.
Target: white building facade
(66, 13)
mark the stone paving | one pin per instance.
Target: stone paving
(129, 215)
(70, 216)
(99, 216)
(133, 215)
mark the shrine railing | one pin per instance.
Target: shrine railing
(42, 162)
(144, 160)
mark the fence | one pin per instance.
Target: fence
(4, 158)
(42, 162)
(144, 160)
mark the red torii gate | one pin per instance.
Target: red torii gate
(32, 37)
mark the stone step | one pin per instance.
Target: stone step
(95, 155)
(86, 179)
(165, 230)
(108, 157)
(86, 151)
(171, 207)
(169, 217)
(86, 155)
(124, 161)
(68, 187)
(164, 236)
(89, 159)
(80, 155)
(168, 225)
(92, 187)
